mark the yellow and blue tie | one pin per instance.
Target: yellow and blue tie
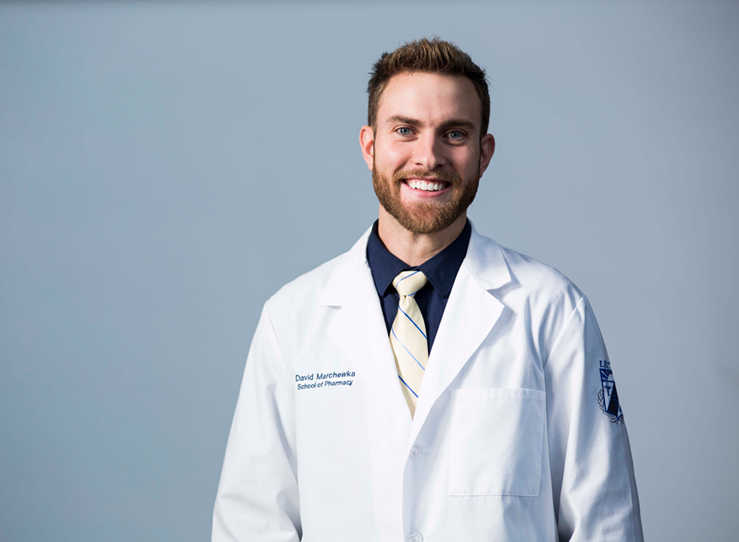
(408, 336)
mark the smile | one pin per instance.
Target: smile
(434, 186)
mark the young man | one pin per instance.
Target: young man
(427, 384)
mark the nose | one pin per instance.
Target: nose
(429, 153)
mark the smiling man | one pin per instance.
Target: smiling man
(427, 151)
(428, 384)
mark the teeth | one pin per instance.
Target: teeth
(423, 185)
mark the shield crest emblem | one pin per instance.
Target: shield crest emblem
(608, 395)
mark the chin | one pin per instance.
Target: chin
(426, 218)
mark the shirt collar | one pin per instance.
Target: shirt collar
(441, 270)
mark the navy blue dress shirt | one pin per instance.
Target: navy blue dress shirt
(441, 270)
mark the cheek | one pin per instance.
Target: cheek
(467, 161)
(391, 156)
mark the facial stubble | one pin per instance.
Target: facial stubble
(424, 217)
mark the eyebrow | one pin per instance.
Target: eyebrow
(403, 120)
(452, 123)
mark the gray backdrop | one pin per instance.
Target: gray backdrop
(166, 167)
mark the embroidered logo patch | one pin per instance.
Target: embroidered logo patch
(608, 396)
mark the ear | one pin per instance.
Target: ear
(487, 148)
(367, 143)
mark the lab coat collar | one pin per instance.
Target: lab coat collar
(359, 330)
(344, 276)
(484, 260)
(468, 320)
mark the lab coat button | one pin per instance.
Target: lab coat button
(415, 536)
(416, 454)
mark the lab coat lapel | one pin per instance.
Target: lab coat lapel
(469, 317)
(359, 331)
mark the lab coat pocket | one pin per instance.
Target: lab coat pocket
(496, 442)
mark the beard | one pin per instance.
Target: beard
(425, 216)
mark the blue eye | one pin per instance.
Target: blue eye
(456, 134)
(404, 131)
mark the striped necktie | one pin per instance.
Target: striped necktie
(408, 336)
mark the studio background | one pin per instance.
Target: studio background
(166, 167)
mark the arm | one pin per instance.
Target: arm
(257, 498)
(592, 472)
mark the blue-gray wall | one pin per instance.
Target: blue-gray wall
(165, 167)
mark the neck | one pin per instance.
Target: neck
(415, 248)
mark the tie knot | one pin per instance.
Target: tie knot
(409, 282)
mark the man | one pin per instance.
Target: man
(428, 384)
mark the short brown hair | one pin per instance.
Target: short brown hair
(432, 56)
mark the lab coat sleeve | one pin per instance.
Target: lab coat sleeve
(592, 472)
(257, 498)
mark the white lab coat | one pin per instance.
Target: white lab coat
(508, 442)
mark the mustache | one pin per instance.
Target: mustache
(442, 175)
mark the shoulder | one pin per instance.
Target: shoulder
(507, 273)
(305, 290)
(537, 295)
(539, 281)
(303, 296)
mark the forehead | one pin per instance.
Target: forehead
(430, 97)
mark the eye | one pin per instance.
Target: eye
(456, 135)
(404, 131)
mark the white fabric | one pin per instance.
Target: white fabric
(508, 442)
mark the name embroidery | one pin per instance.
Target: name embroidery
(321, 380)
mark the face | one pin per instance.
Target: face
(425, 152)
